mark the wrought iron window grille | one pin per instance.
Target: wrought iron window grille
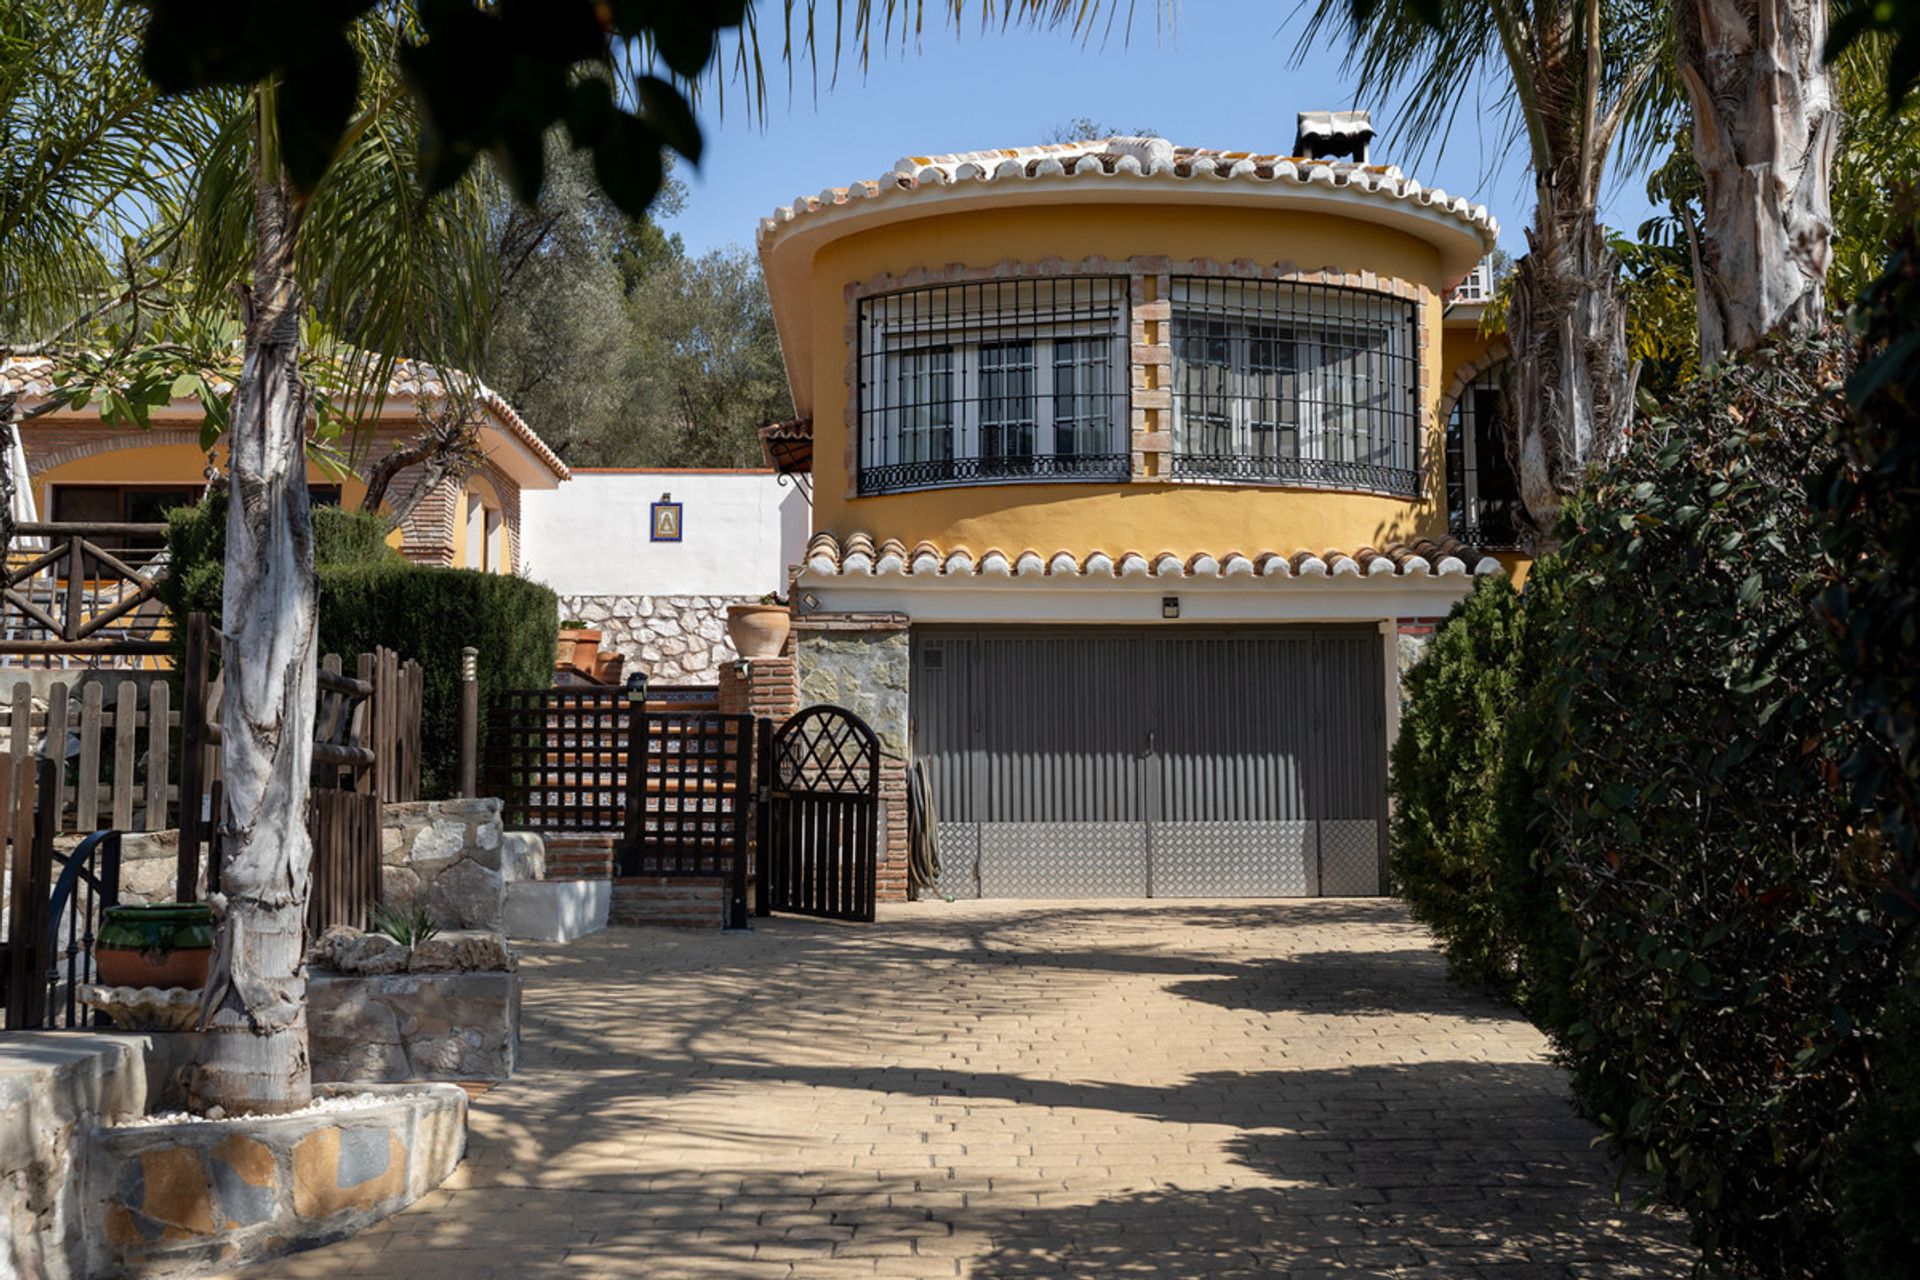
(994, 382)
(1298, 384)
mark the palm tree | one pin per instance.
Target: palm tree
(358, 260)
(1765, 125)
(311, 205)
(1584, 76)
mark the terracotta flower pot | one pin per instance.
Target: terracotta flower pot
(166, 944)
(758, 630)
(577, 647)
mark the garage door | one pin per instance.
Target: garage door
(1110, 762)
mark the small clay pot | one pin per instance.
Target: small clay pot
(167, 944)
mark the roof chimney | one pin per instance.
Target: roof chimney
(1324, 135)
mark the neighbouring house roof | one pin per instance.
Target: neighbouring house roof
(788, 446)
(858, 555)
(31, 378)
(1117, 170)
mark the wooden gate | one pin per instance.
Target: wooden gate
(686, 806)
(820, 816)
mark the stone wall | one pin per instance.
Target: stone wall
(198, 1197)
(54, 1087)
(451, 857)
(386, 1028)
(674, 639)
(1410, 645)
(861, 666)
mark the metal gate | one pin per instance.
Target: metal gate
(820, 816)
(1132, 762)
(686, 806)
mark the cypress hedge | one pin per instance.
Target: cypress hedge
(370, 595)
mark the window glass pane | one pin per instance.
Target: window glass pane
(1203, 359)
(1082, 397)
(926, 405)
(1007, 402)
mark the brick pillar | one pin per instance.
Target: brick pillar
(890, 879)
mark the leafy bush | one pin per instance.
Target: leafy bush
(1469, 850)
(1446, 860)
(1879, 1210)
(370, 595)
(1731, 961)
(1870, 495)
(430, 614)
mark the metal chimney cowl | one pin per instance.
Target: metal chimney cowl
(1326, 135)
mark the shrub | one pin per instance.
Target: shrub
(1731, 960)
(1879, 1210)
(370, 595)
(197, 547)
(430, 614)
(1469, 838)
(1445, 860)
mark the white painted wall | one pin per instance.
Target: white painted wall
(741, 530)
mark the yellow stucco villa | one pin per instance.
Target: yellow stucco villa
(1137, 471)
(84, 471)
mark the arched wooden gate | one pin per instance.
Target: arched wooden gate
(820, 816)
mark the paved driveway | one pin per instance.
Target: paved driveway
(1080, 1089)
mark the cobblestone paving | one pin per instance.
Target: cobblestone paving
(1073, 1090)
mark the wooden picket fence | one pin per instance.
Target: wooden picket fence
(118, 754)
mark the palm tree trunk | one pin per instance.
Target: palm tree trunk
(1764, 131)
(1571, 389)
(255, 1009)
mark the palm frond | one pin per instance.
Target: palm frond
(1425, 58)
(93, 163)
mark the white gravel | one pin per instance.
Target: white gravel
(319, 1106)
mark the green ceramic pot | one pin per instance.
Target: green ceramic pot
(166, 944)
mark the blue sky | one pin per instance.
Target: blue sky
(1224, 78)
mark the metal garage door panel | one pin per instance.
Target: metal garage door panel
(1059, 727)
(1234, 860)
(1234, 738)
(959, 860)
(1350, 858)
(1063, 860)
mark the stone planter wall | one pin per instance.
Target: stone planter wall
(54, 1087)
(451, 857)
(413, 1026)
(193, 1197)
(674, 639)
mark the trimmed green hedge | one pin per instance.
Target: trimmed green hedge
(370, 595)
(430, 614)
(1446, 858)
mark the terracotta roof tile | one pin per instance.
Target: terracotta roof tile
(857, 554)
(31, 378)
(1145, 157)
